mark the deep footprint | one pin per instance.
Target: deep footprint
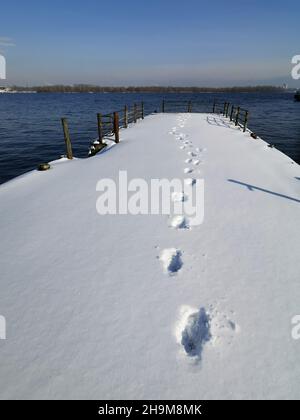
(190, 181)
(192, 154)
(196, 333)
(179, 222)
(171, 260)
(188, 170)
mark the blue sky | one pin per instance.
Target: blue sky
(159, 42)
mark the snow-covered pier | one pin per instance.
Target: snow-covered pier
(124, 306)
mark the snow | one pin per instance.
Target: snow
(127, 307)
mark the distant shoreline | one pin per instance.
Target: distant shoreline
(144, 89)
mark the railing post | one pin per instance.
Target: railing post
(135, 113)
(237, 116)
(125, 116)
(246, 121)
(214, 107)
(143, 110)
(163, 106)
(116, 127)
(224, 109)
(231, 113)
(227, 109)
(190, 107)
(67, 138)
(100, 131)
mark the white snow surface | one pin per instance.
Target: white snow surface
(91, 309)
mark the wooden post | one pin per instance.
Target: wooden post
(67, 138)
(237, 116)
(163, 106)
(231, 113)
(116, 127)
(246, 121)
(135, 113)
(125, 116)
(214, 107)
(227, 109)
(143, 111)
(190, 107)
(100, 131)
(224, 109)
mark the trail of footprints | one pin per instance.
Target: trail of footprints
(196, 327)
(193, 161)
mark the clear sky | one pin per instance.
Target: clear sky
(150, 42)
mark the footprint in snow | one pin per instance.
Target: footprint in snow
(189, 160)
(190, 181)
(196, 328)
(179, 222)
(171, 260)
(193, 331)
(178, 197)
(188, 170)
(173, 131)
(192, 154)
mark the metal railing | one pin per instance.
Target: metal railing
(171, 106)
(237, 115)
(109, 125)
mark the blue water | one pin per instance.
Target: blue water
(31, 133)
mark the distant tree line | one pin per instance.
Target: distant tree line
(84, 88)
